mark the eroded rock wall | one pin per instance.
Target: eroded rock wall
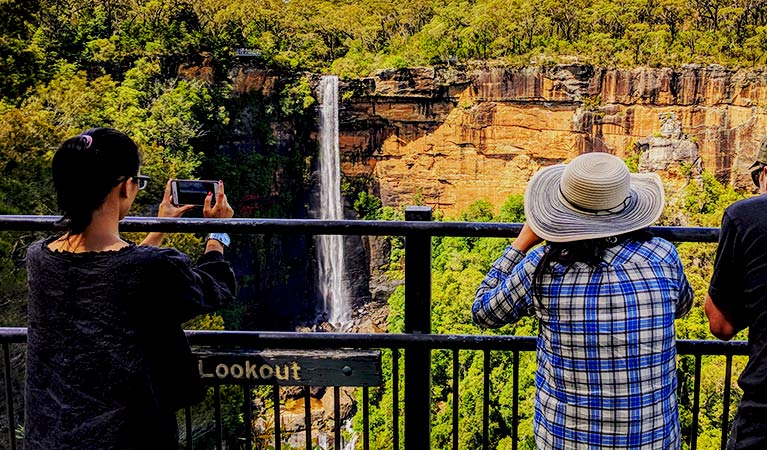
(450, 137)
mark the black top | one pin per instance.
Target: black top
(107, 361)
(739, 288)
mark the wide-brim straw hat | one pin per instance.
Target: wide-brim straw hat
(595, 196)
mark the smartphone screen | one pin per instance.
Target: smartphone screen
(192, 192)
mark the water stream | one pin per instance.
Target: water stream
(330, 249)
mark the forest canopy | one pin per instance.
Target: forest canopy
(351, 38)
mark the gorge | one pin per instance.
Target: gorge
(451, 135)
(448, 136)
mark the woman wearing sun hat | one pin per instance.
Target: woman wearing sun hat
(606, 294)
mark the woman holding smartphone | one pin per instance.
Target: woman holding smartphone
(108, 364)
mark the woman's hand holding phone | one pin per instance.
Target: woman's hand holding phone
(167, 209)
(221, 210)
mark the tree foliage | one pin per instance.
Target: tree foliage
(351, 38)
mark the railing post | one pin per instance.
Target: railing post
(417, 321)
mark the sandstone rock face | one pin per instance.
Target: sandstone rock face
(450, 137)
(245, 79)
(670, 147)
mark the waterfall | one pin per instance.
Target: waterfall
(330, 249)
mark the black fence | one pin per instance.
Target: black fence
(417, 343)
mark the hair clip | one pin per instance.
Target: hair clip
(88, 140)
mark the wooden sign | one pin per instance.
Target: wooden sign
(291, 367)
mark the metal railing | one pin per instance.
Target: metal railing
(417, 342)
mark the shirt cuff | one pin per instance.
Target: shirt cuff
(511, 257)
(211, 256)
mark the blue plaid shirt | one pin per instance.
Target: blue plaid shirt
(606, 351)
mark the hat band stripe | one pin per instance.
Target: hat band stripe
(614, 210)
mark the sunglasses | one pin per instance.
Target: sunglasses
(756, 174)
(141, 180)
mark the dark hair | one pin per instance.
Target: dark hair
(589, 251)
(86, 168)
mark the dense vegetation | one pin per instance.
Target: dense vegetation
(352, 37)
(68, 65)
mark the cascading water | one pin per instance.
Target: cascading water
(330, 249)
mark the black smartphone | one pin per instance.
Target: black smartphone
(192, 192)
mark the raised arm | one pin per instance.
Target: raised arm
(194, 289)
(504, 295)
(187, 289)
(221, 210)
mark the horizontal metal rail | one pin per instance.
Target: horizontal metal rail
(331, 341)
(319, 227)
(394, 342)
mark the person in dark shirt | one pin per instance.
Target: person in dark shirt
(108, 364)
(737, 299)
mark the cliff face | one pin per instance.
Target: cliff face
(448, 137)
(452, 137)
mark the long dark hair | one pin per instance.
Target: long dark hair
(86, 168)
(589, 251)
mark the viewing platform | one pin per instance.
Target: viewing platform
(240, 358)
